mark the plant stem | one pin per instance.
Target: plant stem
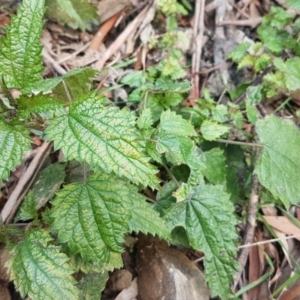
(171, 175)
(239, 143)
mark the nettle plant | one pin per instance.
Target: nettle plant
(120, 153)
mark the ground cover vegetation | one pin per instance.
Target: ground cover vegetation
(185, 155)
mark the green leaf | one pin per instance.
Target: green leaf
(291, 72)
(104, 137)
(239, 52)
(145, 120)
(134, 79)
(93, 217)
(164, 198)
(172, 123)
(215, 170)
(219, 114)
(36, 104)
(76, 81)
(27, 210)
(278, 166)
(177, 148)
(14, 140)
(145, 219)
(40, 270)
(211, 130)
(91, 286)
(252, 114)
(207, 215)
(294, 4)
(20, 50)
(47, 183)
(74, 13)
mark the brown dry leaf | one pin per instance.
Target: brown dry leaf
(254, 271)
(284, 225)
(108, 8)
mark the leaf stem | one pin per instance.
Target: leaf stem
(171, 175)
(239, 143)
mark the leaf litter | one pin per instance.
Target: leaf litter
(120, 44)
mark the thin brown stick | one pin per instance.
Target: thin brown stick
(24, 184)
(103, 31)
(114, 47)
(251, 22)
(250, 227)
(197, 49)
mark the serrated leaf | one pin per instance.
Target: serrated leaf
(291, 70)
(219, 114)
(36, 104)
(28, 209)
(145, 120)
(172, 123)
(278, 167)
(105, 137)
(215, 170)
(20, 50)
(74, 79)
(248, 60)
(207, 215)
(177, 148)
(164, 198)
(74, 13)
(146, 220)
(211, 130)
(40, 270)
(14, 140)
(239, 52)
(91, 286)
(93, 217)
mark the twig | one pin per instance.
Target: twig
(250, 227)
(295, 236)
(84, 47)
(103, 30)
(121, 39)
(55, 65)
(197, 49)
(251, 22)
(239, 143)
(24, 183)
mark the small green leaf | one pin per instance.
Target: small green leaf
(146, 220)
(105, 137)
(239, 52)
(207, 216)
(172, 123)
(291, 71)
(20, 51)
(14, 140)
(93, 217)
(211, 130)
(134, 79)
(40, 270)
(278, 166)
(91, 286)
(177, 148)
(145, 120)
(252, 114)
(215, 170)
(219, 114)
(28, 209)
